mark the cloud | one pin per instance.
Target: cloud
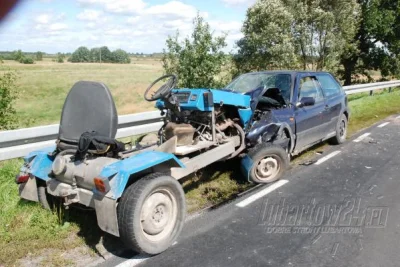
(239, 2)
(48, 24)
(172, 10)
(89, 15)
(57, 26)
(116, 24)
(43, 18)
(117, 6)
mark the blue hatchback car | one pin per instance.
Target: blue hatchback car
(312, 106)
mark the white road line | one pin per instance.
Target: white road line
(383, 124)
(261, 193)
(331, 155)
(133, 261)
(361, 137)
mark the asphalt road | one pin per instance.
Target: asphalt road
(343, 210)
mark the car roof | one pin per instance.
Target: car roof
(292, 72)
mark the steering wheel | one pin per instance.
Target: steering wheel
(164, 90)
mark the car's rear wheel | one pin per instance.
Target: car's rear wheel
(341, 131)
(151, 213)
(269, 163)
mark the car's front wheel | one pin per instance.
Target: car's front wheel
(151, 213)
(341, 131)
(269, 163)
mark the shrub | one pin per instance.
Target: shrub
(26, 60)
(60, 58)
(8, 94)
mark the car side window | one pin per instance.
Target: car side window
(309, 87)
(329, 85)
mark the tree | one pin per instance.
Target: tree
(8, 95)
(95, 54)
(377, 40)
(106, 55)
(268, 42)
(39, 56)
(17, 55)
(82, 54)
(284, 33)
(121, 56)
(323, 29)
(198, 59)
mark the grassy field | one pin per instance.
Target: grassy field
(44, 85)
(30, 234)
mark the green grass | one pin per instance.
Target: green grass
(26, 228)
(44, 85)
(367, 110)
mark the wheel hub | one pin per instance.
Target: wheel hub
(267, 168)
(342, 128)
(158, 214)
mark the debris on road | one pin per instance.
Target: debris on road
(308, 162)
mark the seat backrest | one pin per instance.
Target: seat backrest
(88, 107)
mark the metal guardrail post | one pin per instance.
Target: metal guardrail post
(390, 89)
(371, 93)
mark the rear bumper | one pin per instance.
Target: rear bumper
(77, 195)
(105, 207)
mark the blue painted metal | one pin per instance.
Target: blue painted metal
(231, 98)
(245, 166)
(196, 99)
(120, 171)
(28, 158)
(245, 115)
(40, 162)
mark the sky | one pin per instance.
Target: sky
(139, 26)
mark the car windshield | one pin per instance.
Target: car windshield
(251, 81)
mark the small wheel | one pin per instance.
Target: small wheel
(151, 213)
(341, 131)
(269, 163)
(46, 200)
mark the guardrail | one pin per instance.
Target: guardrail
(370, 87)
(18, 143)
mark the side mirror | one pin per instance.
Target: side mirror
(306, 101)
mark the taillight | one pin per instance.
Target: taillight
(21, 178)
(102, 184)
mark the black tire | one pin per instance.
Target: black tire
(44, 198)
(142, 235)
(341, 131)
(264, 155)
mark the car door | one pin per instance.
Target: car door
(309, 119)
(333, 101)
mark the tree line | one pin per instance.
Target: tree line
(100, 54)
(346, 37)
(81, 54)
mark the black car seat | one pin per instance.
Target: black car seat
(88, 107)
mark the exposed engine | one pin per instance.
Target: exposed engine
(192, 127)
